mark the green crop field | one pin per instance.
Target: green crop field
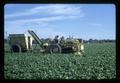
(98, 62)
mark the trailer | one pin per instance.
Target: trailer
(20, 42)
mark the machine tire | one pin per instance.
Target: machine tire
(16, 48)
(53, 47)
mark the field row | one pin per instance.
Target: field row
(98, 62)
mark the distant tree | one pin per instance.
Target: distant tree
(80, 40)
(100, 41)
(48, 40)
(90, 40)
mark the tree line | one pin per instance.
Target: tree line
(99, 41)
(81, 40)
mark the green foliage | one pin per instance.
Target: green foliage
(98, 62)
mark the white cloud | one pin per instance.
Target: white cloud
(42, 24)
(41, 31)
(54, 9)
(60, 9)
(42, 20)
(18, 14)
(36, 23)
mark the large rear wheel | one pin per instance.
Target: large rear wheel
(55, 48)
(16, 48)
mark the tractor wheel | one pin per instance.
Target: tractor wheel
(16, 48)
(55, 49)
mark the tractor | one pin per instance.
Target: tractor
(23, 43)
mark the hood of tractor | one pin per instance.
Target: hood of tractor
(75, 45)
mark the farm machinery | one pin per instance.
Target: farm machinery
(23, 43)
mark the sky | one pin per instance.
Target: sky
(96, 21)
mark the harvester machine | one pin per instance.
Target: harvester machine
(66, 46)
(23, 43)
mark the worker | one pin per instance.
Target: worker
(62, 39)
(56, 39)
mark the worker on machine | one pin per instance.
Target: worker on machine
(62, 39)
(56, 40)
